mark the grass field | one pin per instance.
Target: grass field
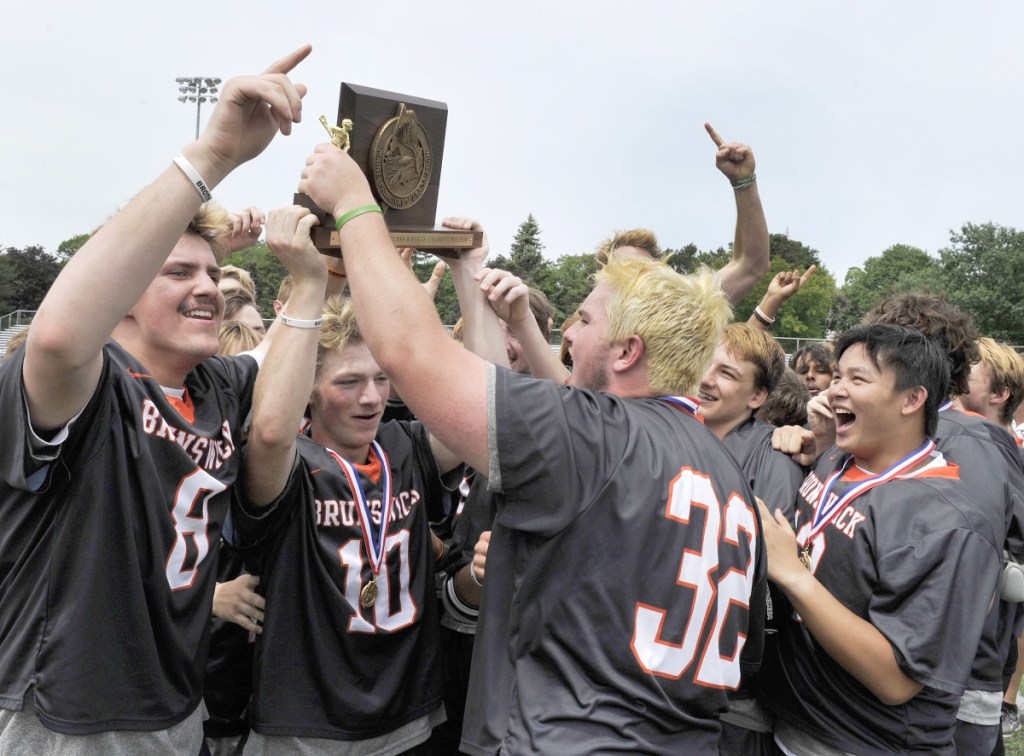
(1015, 745)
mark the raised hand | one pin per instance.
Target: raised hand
(250, 111)
(473, 257)
(334, 181)
(787, 283)
(246, 227)
(506, 293)
(734, 159)
(288, 238)
(433, 283)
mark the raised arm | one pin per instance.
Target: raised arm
(246, 227)
(782, 286)
(63, 352)
(509, 297)
(482, 333)
(444, 384)
(286, 379)
(750, 245)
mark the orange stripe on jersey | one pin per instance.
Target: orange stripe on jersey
(372, 469)
(184, 406)
(139, 375)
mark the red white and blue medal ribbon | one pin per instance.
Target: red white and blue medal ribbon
(825, 511)
(374, 546)
(686, 403)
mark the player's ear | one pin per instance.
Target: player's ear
(630, 353)
(914, 400)
(758, 399)
(1001, 398)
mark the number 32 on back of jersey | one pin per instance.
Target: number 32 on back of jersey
(693, 490)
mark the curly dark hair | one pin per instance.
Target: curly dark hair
(946, 324)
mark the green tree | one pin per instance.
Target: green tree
(30, 273)
(795, 253)
(567, 282)
(804, 315)
(526, 258)
(983, 270)
(67, 248)
(266, 271)
(900, 268)
(8, 289)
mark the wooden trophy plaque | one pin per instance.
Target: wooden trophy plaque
(398, 141)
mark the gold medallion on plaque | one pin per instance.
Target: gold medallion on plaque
(401, 160)
(368, 596)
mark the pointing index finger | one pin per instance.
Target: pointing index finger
(714, 135)
(288, 62)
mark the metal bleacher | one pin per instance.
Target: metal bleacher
(12, 324)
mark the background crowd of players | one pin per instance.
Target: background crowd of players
(660, 539)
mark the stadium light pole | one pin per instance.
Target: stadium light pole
(197, 89)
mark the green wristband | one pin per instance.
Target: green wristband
(356, 212)
(743, 183)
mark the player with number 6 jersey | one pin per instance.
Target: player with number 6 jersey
(171, 462)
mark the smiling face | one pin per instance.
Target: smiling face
(871, 416)
(348, 401)
(727, 394)
(174, 325)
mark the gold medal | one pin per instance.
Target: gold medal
(368, 596)
(805, 557)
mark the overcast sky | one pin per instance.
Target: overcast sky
(873, 123)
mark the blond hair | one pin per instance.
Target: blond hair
(241, 275)
(211, 223)
(641, 238)
(338, 330)
(679, 318)
(1007, 369)
(236, 337)
(760, 349)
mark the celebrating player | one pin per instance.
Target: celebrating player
(750, 246)
(745, 369)
(117, 454)
(350, 641)
(613, 498)
(888, 541)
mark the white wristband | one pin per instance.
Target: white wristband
(193, 175)
(296, 323)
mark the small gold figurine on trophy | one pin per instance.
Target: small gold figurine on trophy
(339, 134)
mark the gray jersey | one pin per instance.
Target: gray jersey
(620, 571)
(773, 476)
